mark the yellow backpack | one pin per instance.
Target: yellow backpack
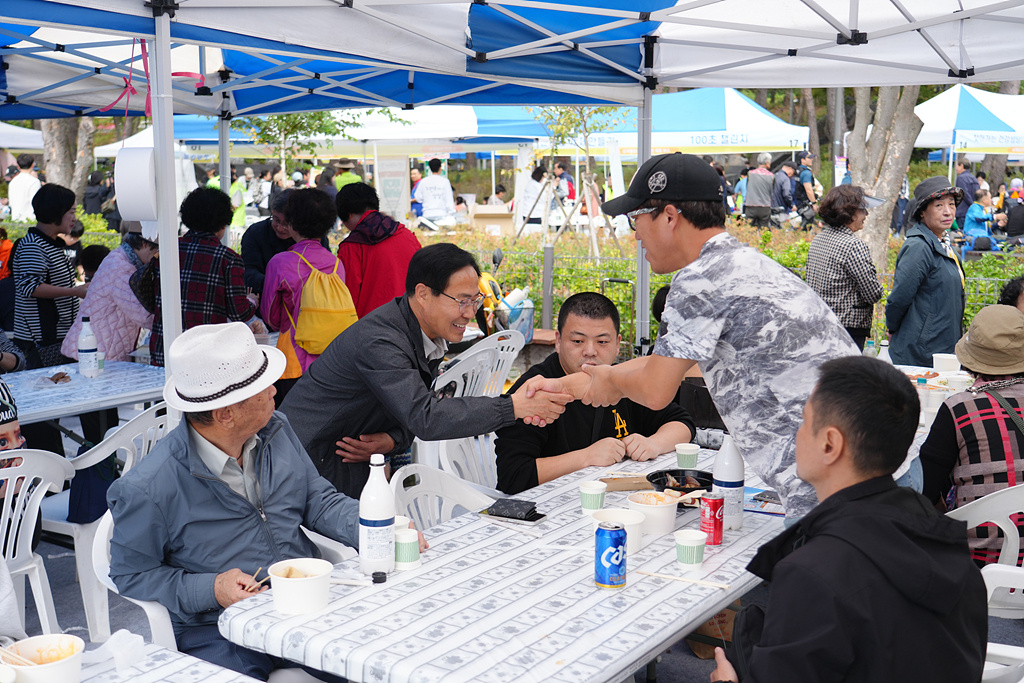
(325, 311)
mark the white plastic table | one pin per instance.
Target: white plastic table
(162, 666)
(493, 603)
(119, 384)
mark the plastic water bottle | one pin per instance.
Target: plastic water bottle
(883, 354)
(376, 521)
(88, 363)
(869, 349)
(513, 298)
(728, 475)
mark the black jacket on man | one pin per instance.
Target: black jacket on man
(519, 445)
(872, 585)
(260, 244)
(375, 377)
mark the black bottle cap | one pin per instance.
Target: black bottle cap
(380, 577)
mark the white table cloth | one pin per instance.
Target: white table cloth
(162, 666)
(493, 603)
(120, 383)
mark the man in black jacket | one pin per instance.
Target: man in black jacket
(369, 392)
(264, 240)
(873, 584)
(585, 436)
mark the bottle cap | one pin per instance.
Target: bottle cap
(377, 459)
(379, 577)
(85, 318)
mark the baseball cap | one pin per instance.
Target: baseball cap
(673, 177)
(790, 163)
(297, 176)
(804, 155)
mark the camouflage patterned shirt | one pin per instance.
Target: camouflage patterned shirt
(758, 334)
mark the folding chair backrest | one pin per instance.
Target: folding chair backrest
(471, 459)
(140, 434)
(507, 345)
(466, 375)
(429, 496)
(22, 487)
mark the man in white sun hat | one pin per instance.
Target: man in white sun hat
(220, 496)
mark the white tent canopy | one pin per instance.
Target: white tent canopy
(20, 139)
(972, 120)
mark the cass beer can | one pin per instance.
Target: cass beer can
(712, 507)
(610, 555)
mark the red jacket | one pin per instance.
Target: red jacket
(375, 273)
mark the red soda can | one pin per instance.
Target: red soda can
(712, 506)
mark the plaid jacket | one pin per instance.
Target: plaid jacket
(212, 288)
(840, 270)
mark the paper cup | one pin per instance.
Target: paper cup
(592, 495)
(959, 382)
(100, 360)
(631, 520)
(7, 674)
(301, 596)
(58, 654)
(659, 519)
(945, 362)
(686, 455)
(407, 549)
(690, 548)
(402, 522)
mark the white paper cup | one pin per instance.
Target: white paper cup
(959, 382)
(945, 362)
(100, 360)
(659, 519)
(592, 495)
(690, 548)
(59, 656)
(402, 522)
(407, 549)
(7, 674)
(631, 520)
(301, 596)
(686, 455)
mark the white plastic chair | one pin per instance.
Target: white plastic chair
(433, 496)
(1003, 664)
(506, 346)
(24, 486)
(472, 459)
(129, 442)
(159, 619)
(999, 508)
(468, 376)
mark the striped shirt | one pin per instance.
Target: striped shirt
(40, 260)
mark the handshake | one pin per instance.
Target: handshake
(541, 399)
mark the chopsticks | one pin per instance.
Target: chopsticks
(699, 582)
(253, 586)
(350, 582)
(17, 659)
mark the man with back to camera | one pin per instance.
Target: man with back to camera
(585, 436)
(21, 189)
(873, 584)
(757, 202)
(436, 195)
(966, 181)
(756, 330)
(782, 193)
(369, 392)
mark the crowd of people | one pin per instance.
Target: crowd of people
(278, 437)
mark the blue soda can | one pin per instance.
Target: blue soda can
(610, 555)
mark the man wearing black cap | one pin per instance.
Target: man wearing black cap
(757, 331)
(782, 194)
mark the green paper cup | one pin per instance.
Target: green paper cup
(592, 495)
(686, 455)
(407, 549)
(690, 548)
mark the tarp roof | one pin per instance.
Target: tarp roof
(972, 120)
(20, 139)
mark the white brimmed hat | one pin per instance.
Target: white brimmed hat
(213, 366)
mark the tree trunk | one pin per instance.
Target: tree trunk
(59, 150)
(830, 115)
(994, 165)
(813, 146)
(83, 158)
(126, 127)
(879, 162)
(761, 97)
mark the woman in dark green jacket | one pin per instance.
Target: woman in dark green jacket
(925, 309)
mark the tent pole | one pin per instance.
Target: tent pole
(643, 268)
(166, 199)
(224, 162)
(493, 184)
(952, 153)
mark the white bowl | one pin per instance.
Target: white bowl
(301, 596)
(45, 651)
(945, 362)
(659, 519)
(631, 520)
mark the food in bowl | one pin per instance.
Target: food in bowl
(655, 498)
(290, 572)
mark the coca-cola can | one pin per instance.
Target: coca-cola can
(712, 507)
